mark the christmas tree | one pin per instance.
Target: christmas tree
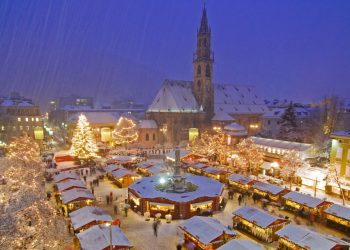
(83, 142)
(250, 158)
(288, 126)
(125, 131)
(290, 163)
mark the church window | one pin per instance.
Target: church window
(199, 70)
(147, 137)
(198, 84)
(205, 42)
(207, 71)
(154, 136)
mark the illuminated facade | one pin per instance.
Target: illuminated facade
(340, 152)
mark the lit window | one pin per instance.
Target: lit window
(27, 119)
(19, 119)
(27, 127)
(3, 128)
(37, 119)
(32, 119)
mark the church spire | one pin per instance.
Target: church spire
(204, 27)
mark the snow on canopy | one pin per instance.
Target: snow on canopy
(76, 194)
(304, 199)
(309, 239)
(241, 245)
(257, 216)
(147, 124)
(98, 238)
(65, 176)
(87, 215)
(70, 183)
(287, 145)
(177, 96)
(267, 187)
(339, 211)
(242, 179)
(205, 229)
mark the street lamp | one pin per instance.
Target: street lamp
(110, 235)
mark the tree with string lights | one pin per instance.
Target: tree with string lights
(83, 142)
(333, 177)
(290, 163)
(250, 157)
(125, 131)
(27, 219)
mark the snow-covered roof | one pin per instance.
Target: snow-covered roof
(199, 165)
(120, 173)
(156, 170)
(183, 153)
(70, 183)
(64, 165)
(7, 103)
(147, 124)
(309, 239)
(208, 187)
(304, 199)
(276, 113)
(98, 238)
(124, 158)
(76, 194)
(287, 145)
(257, 216)
(174, 96)
(267, 187)
(222, 117)
(214, 170)
(147, 164)
(95, 117)
(64, 176)
(237, 99)
(111, 167)
(234, 127)
(241, 245)
(312, 172)
(88, 214)
(240, 179)
(177, 96)
(339, 211)
(205, 229)
(25, 104)
(341, 133)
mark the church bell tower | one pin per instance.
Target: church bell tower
(203, 68)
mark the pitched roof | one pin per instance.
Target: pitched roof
(257, 216)
(339, 211)
(147, 124)
(70, 183)
(240, 179)
(88, 214)
(308, 239)
(241, 245)
(64, 176)
(222, 116)
(120, 173)
(304, 199)
(266, 187)
(75, 194)
(205, 229)
(98, 238)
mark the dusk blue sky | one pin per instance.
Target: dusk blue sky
(288, 49)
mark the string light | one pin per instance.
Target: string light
(125, 131)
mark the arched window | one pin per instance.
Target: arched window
(154, 136)
(147, 137)
(207, 70)
(199, 70)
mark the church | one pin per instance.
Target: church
(184, 109)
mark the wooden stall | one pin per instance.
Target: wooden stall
(215, 173)
(76, 198)
(338, 217)
(123, 177)
(196, 168)
(240, 182)
(269, 191)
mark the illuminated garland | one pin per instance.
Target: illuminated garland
(83, 141)
(125, 131)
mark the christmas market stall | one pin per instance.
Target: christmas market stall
(155, 194)
(268, 191)
(87, 217)
(206, 232)
(142, 166)
(293, 237)
(112, 167)
(68, 185)
(103, 237)
(63, 176)
(338, 216)
(215, 173)
(154, 170)
(304, 204)
(76, 198)
(240, 182)
(127, 161)
(123, 177)
(237, 244)
(196, 168)
(258, 223)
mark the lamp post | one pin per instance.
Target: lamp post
(110, 235)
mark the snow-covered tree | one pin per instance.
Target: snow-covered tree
(27, 219)
(24, 150)
(333, 177)
(83, 142)
(290, 163)
(289, 129)
(250, 157)
(125, 131)
(330, 114)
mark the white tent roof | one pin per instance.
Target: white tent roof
(256, 216)
(69, 183)
(88, 214)
(64, 176)
(234, 127)
(281, 144)
(76, 193)
(122, 172)
(205, 229)
(241, 245)
(98, 238)
(339, 211)
(267, 187)
(304, 199)
(309, 239)
(240, 178)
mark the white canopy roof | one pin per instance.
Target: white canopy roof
(98, 238)
(76, 193)
(267, 187)
(122, 172)
(287, 145)
(64, 176)
(339, 211)
(309, 239)
(256, 216)
(69, 183)
(241, 245)
(205, 229)
(304, 199)
(240, 178)
(234, 127)
(88, 214)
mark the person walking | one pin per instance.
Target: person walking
(239, 199)
(155, 228)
